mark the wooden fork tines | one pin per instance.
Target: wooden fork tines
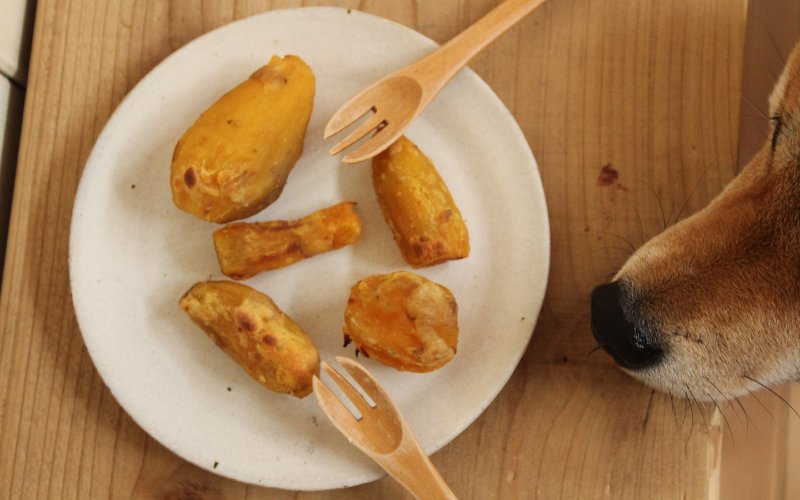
(380, 432)
(394, 101)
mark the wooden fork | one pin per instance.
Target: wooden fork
(398, 98)
(381, 432)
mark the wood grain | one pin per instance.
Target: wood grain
(759, 454)
(768, 42)
(649, 88)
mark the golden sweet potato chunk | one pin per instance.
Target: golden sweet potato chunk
(404, 320)
(417, 206)
(246, 249)
(248, 326)
(234, 160)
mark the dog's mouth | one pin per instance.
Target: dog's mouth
(630, 346)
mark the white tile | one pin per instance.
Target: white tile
(15, 26)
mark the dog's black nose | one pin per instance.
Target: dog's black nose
(629, 347)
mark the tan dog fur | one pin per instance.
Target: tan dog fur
(720, 291)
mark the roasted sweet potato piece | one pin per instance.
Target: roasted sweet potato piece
(403, 320)
(245, 249)
(417, 206)
(248, 326)
(234, 160)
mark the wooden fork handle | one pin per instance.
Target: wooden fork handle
(412, 468)
(435, 70)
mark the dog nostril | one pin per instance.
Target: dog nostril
(618, 336)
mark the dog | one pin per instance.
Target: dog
(710, 308)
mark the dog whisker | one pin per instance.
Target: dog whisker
(755, 106)
(658, 202)
(765, 135)
(767, 68)
(699, 407)
(724, 398)
(747, 418)
(743, 413)
(624, 240)
(739, 415)
(724, 419)
(638, 218)
(691, 426)
(685, 411)
(674, 413)
(594, 350)
(612, 247)
(755, 395)
(688, 199)
(774, 43)
(773, 392)
(649, 407)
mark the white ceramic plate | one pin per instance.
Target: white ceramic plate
(133, 254)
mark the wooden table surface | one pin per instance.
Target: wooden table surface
(648, 88)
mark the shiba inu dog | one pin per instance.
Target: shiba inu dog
(710, 308)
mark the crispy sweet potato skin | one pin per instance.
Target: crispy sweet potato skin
(234, 160)
(246, 249)
(248, 326)
(403, 320)
(417, 206)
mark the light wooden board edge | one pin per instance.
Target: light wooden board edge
(10, 123)
(791, 486)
